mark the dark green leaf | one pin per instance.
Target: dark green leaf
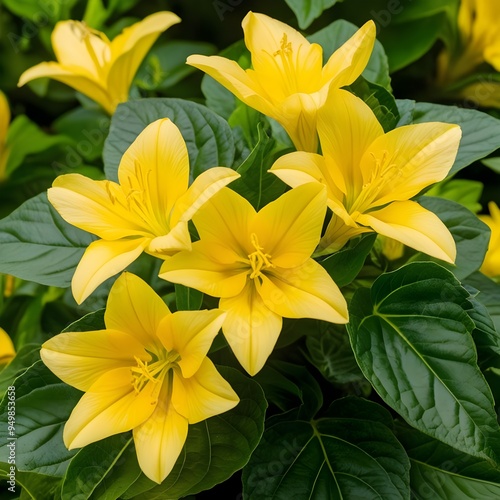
(463, 191)
(307, 11)
(33, 486)
(411, 336)
(25, 357)
(187, 299)
(38, 245)
(208, 137)
(42, 405)
(480, 131)
(489, 295)
(470, 234)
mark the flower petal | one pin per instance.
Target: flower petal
(177, 239)
(81, 82)
(160, 439)
(80, 358)
(7, 351)
(338, 233)
(156, 165)
(4, 119)
(101, 260)
(135, 308)
(411, 158)
(289, 228)
(306, 291)
(203, 188)
(345, 139)
(190, 334)
(95, 206)
(250, 328)
(130, 47)
(81, 49)
(109, 407)
(203, 395)
(413, 225)
(198, 270)
(350, 60)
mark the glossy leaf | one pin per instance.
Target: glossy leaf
(307, 11)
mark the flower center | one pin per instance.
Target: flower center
(154, 371)
(258, 259)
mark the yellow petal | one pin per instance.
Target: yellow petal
(160, 439)
(225, 221)
(345, 139)
(82, 82)
(197, 269)
(81, 49)
(157, 166)
(80, 358)
(101, 260)
(177, 239)
(411, 158)
(306, 291)
(130, 48)
(190, 334)
(349, 61)
(203, 395)
(229, 74)
(337, 234)
(4, 119)
(98, 207)
(135, 308)
(289, 228)
(250, 328)
(7, 351)
(206, 185)
(111, 406)
(413, 225)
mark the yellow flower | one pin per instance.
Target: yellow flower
(479, 41)
(96, 67)
(147, 211)
(7, 351)
(491, 264)
(4, 127)
(148, 371)
(370, 176)
(288, 81)
(259, 265)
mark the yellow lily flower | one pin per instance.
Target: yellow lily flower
(491, 264)
(7, 351)
(479, 41)
(101, 69)
(4, 127)
(288, 81)
(147, 372)
(259, 265)
(148, 210)
(370, 176)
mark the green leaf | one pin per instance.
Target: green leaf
(50, 12)
(307, 11)
(345, 265)
(215, 448)
(348, 455)
(480, 131)
(411, 336)
(493, 163)
(25, 357)
(188, 299)
(470, 234)
(42, 406)
(38, 245)
(256, 184)
(208, 137)
(33, 486)
(489, 295)
(441, 473)
(93, 464)
(336, 34)
(463, 191)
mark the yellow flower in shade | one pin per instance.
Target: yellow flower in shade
(479, 41)
(96, 67)
(259, 265)
(147, 372)
(7, 351)
(491, 264)
(288, 81)
(4, 128)
(370, 176)
(147, 211)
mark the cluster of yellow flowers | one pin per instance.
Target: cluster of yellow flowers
(149, 370)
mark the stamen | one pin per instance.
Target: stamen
(258, 259)
(153, 372)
